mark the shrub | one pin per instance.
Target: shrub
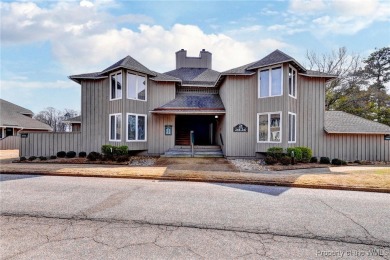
(32, 158)
(53, 157)
(275, 152)
(269, 160)
(71, 154)
(61, 154)
(108, 149)
(108, 157)
(93, 156)
(22, 159)
(82, 154)
(297, 153)
(314, 160)
(43, 158)
(336, 161)
(306, 153)
(122, 158)
(358, 162)
(343, 162)
(285, 160)
(324, 160)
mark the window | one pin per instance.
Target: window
(269, 127)
(136, 86)
(292, 126)
(292, 82)
(116, 85)
(270, 82)
(136, 127)
(115, 127)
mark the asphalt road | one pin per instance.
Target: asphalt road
(45, 217)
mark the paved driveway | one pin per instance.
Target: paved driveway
(68, 217)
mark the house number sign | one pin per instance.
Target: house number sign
(168, 130)
(240, 128)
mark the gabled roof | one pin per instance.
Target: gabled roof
(275, 57)
(194, 102)
(195, 76)
(12, 115)
(338, 122)
(164, 77)
(93, 75)
(240, 70)
(317, 74)
(73, 120)
(129, 63)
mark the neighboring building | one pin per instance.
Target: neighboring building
(15, 119)
(271, 102)
(75, 123)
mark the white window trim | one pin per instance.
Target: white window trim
(109, 127)
(146, 86)
(295, 126)
(110, 89)
(270, 81)
(269, 127)
(296, 82)
(136, 129)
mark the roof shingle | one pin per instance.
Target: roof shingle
(194, 102)
(195, 76)
(341, 122)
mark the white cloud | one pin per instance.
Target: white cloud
(23, 83)
(306, 6)
(86, 3)
(355, 7)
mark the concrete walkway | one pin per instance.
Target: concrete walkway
(217, 170)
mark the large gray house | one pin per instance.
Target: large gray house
(271, 102)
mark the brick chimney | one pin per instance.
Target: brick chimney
(203, 61)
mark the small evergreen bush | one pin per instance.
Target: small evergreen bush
(93, 156)
(61, 154)
(269, 160)
(285, 160)
(297, 153)
(122, 158)
(275, 152)
(32, 158)
(82, 154)
(358, 162)
(314, 160)
(336, 161)
(43, 158)
(324, 160)
(22, 159)
(53, 157)
(71, 154)
(343, 162)
(306, 153)
(108, 149)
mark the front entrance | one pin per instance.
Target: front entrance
(204, 128)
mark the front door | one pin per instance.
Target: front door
(203, 127)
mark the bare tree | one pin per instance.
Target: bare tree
(55, 118)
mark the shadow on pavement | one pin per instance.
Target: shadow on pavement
(269, 190)
(12, 177)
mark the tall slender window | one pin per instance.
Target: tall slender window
(116, 85)
(270, 82)
(136, 127)
(292, 126)
(136, 86)
(292, 81)
(115, 127)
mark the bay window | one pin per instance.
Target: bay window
(269, 127)
(116, 86)
(136, 86)
(136, 127)
(270, 82)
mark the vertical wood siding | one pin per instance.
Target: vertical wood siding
(10, 143)
(239, 95)
(47, 144)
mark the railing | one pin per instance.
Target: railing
(10, 143)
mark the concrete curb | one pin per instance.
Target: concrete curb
(231, 181)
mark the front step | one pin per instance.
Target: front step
(211, 151)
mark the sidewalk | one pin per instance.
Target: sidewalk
(374, 179)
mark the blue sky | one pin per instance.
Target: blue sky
(43, 42)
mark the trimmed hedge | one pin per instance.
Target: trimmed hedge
(307, 153)
(269, 160)
(42, 158)
(22, 159)
(53, 157)
(93, 156)
(108, 149)
(32, 158)
(61, 154)
(275, 152)
(285, 160)
(71, 154)
(324, 160)
(297, 153)
(82, 154)
(314, 160)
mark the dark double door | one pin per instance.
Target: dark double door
(203, 126)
